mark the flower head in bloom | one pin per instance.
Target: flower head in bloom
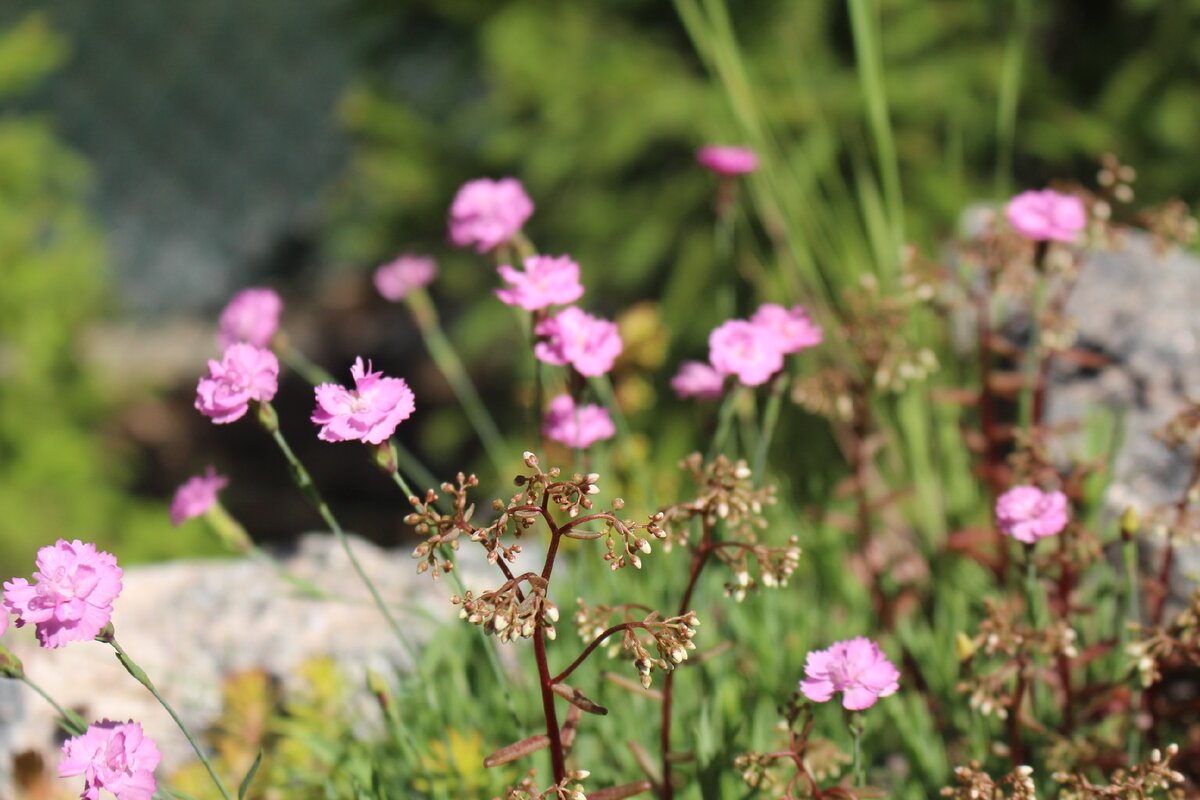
(1046, 215)
(252, 316)
(699, 380)
(749, 351)
(793, 329)
(587, 343)
(404, 274)
(487, 213)
(857, 668)
(1027, 514)
(115, 756)
(244, 373)
(546, 281)
(196, 495)
(368, 413)
(725, 160)
(72, 594)
(576, 426)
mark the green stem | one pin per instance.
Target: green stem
(769, 422)
(1133, 614)
(300, 363)
(857, 724)
(1032, 355)
(69, 721)
(451, 366)
(305, 482)
(724, 422)
(141, 677)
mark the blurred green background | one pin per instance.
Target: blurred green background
(155, 159)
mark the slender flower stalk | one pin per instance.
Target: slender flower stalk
(304, 481)
(857, 724)
(68, 720)
(769, 420)
(451, 367)
(141, 677)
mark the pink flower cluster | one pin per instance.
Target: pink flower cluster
(546, 281)
(727, 161)
(487, 213)
(857, 668)
(1027, 514)
(115, 756)
(252, 316)
(1046, 215)
(196, 495)
(576, 426)
(753, 350)
(245, 373)
(404, 274)
(71, 597)
(589, 344)
(367, 413)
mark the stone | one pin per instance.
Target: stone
(190, 624)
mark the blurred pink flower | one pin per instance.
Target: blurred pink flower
(546, 281)
(749, 351)
(244, 373)
(487, 213)
(576, 426)
(196, 495)
(792, 328)
(114, 756)
(856, 668)
(71, 599)
(699, 380)
(725, 160)
(1046, 215)
(403, 274)
(587, 343)
(368, 413)
(252, 316)
(1027, 514)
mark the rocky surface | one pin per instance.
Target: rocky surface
(190, 623)
(1141, 310)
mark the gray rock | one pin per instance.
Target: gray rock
(1141, 310)
(189, 624)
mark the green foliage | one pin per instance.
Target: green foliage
(60, 476)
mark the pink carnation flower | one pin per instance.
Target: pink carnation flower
(487, 213)
(576, 426)
(1046, 215)
(196, 495)
(856, 668)
(727, 160)
(368, 413)
(587, 343)
(71, 599)
(792, 328)
(115, 756)
(252, 316)
(404, 274)
(746, 350)
(244, 373)
(699, 380)
(546, 281)
(1027, 514)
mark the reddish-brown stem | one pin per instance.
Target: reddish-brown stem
(557, 757)
(993, 456)
(568, 526)
(861, 457)
(1014, 715)
(699, 558)
(587, 651)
